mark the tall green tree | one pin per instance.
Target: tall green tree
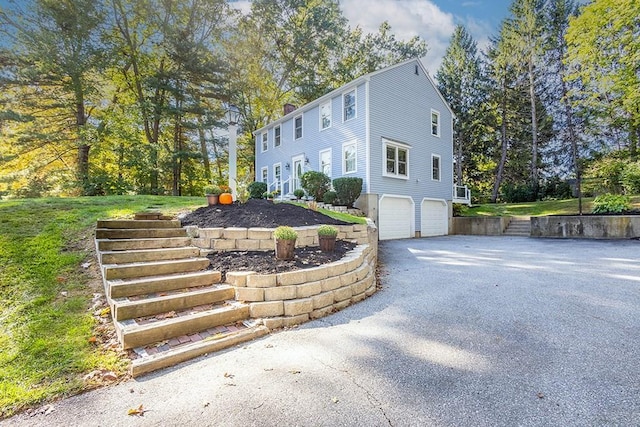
(461, 82)
(603, 54)
(52, 70)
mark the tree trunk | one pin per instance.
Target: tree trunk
(505, 147)
(534, 130)
(82, 168)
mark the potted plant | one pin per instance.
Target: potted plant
(327, 238)
(285, 238)
(213, 194)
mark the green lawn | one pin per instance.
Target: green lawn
(45, 346)
(551, 207)
(46, 328)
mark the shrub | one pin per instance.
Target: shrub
(257, 189)
(327, 231)
(630, 178)
(315, 184)
(347, 190)
(459, 209)
(285, 233)
(299, 193)
(555, 188)
(611, 203)
(518, 193)
(329, 197)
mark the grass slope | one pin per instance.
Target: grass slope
(550, 207)
(45, 346)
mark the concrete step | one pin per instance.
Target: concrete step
(133, 334)
(139, 233)
(147, 255)
(131, 223)
(176, 301)
(120, 288)
(133, 244)
(157, 357)
(146, 269)
(518, 227)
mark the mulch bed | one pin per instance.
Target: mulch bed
(256, 213)
(265, 214)
(265, 262)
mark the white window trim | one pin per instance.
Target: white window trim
(433, 156)
(396, 145)
(355, 104)
(301, 127)
(437, 113)
(262, 174)
(264, 141)
(330, 115)
(276, 139)
(344, 161)
(328, 150)
(276, 180)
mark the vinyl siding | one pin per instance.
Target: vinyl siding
(314, 140)
(400, 104)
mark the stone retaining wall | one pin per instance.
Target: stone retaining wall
(294, 297)
(586, 226)
(480, 226)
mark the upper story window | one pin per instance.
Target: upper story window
(325, 162)
(265, 174)
(435, 167)
(265, 141)
(349, 157)
(325, 115)
(349, 105)
(396, 160)
(435, 123)
(297, 127)
(276, 136)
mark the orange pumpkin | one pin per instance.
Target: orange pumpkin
(225, 199)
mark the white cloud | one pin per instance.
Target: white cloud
(407, 18)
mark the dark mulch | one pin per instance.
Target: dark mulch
(265, 262)
(256, 213)
(264, 213)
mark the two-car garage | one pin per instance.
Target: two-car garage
(396, 217)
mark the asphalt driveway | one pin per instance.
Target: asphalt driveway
(467, 331)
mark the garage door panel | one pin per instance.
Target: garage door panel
(395, 215)
(434, 218)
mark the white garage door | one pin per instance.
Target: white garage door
(434, 218)
(395, 217)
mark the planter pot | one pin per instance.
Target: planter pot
(284, 249)
(327, 243)
(212, 199)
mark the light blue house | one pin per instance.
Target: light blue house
(393, 129)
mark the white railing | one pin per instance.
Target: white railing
(461, 194)
(279, 186)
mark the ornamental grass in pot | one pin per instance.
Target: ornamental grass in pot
(327, 238)
(285, 238)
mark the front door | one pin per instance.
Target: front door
(298, 170)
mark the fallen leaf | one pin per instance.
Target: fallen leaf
(294, 372)
(540, 395)
(86, 265)
(93, 340)
(109, 376)
(334, 400)
(227, 375)
(139, 411)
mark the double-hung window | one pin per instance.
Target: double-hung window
(276, 136)
(349, 105)
(435, 123)
(325, 115)
(349, 157)
(297, 127)
(325, 162)
(396, 160)
(435, 167)
(265, 141)
(277, 173)
(265, 174)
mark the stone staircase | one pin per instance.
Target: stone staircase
(166, 306)
(518, 226)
